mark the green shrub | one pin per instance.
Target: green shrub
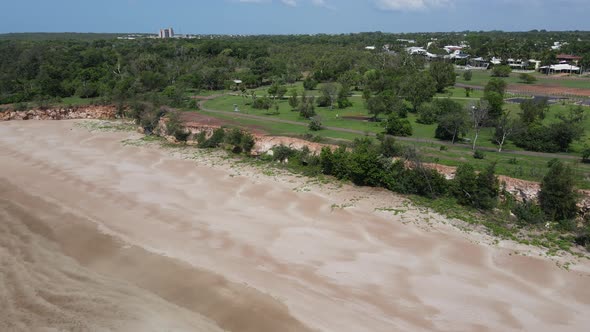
(310, 84)
(262, 103)
(586, 154)
(282, 153)
(214, 141)
(478, 154)
(501, 71)
(182, 135)
(558, 197)
(527, 78)
(529, 213)
(315, 124)
(396, 126)
(467, 75)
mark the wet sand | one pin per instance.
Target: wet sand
(100, 235)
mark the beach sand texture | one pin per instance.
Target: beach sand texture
(97, 235)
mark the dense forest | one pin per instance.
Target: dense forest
(32, 69)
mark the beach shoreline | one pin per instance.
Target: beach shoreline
(305, 254)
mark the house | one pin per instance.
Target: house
(414, 50)
(560, 68)
(452, 48)
(568, 58)
(517, 64)
(496, 61)
(370, 48)
(479, 63)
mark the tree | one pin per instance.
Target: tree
(479, 114)
(342, 99)
(467, 75)
(464, 184)
(329, 92)
(533, 110)
(277, 91)
(558, 196)
(505, 127)
(306, 107)
(497, 85)
(293, 100)
(443, 74)
(376, 105)
(452, 124)
(428, 113)
(397, 126)
(487, 189)
(310, 84)
(501, 71)
(494, 94)
(315, 124)
(419, 88)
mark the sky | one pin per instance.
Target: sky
(291, 16)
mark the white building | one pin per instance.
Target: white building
(167, 33)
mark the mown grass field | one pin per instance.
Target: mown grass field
(482, 77)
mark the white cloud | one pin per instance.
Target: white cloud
(411, 4)
(290, 3)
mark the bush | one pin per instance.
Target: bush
(501, 71)
(262, 103)
(323, 101)
(182, 135)
(527, 78)
(529, 213)
(467, 75)
(282, 153)
(428, 113)
(239, 141)
(310, 84)
(464, 184)
(480, 191)
(586, 154)
(389, 147)
(478, 154)
(397, 126)
(214, 141)
(315, 124)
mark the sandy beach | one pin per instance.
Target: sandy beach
(101, 233)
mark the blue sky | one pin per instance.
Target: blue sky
(292, 16)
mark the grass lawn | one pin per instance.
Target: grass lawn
(482, 77)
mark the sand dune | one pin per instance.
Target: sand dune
(99, 235)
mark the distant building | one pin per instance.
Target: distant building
(167, 33)
(567, 58)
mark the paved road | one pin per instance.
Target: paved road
(360, 132)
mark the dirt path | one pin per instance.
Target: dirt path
(101, 232)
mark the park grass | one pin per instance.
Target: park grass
(482, 77)
(521, 166)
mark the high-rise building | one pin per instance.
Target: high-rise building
(166, 33)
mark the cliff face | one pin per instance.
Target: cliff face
(76, 112)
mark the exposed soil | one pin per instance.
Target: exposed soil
(548, 90)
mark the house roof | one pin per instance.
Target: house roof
(562, 67)
(568, 57)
